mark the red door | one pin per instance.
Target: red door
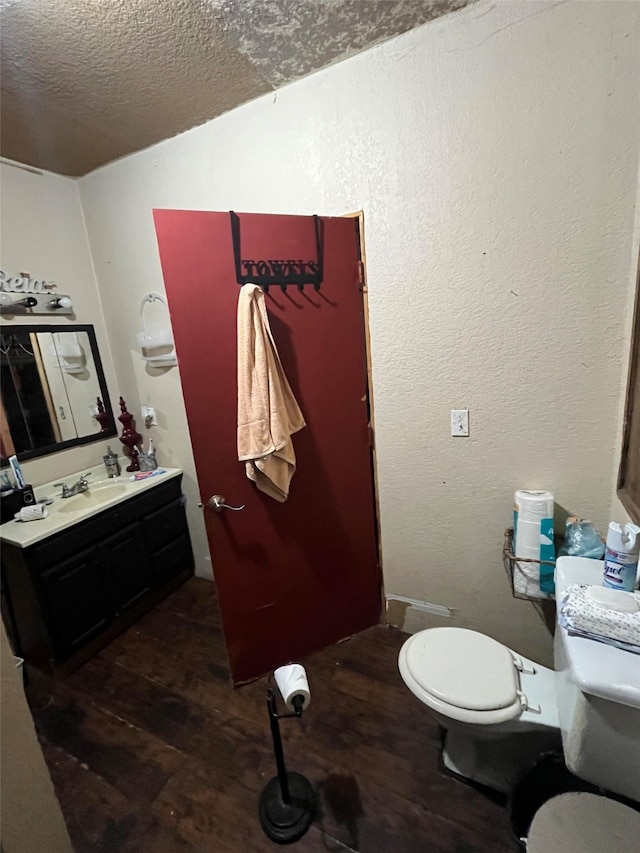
(292, 577)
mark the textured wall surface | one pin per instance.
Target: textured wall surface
(87, 81)
(42, 232)
(495, 154)
(31, 819)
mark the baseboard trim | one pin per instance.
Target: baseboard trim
(425, 606)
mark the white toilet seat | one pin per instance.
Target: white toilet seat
(462, 674)
(584, 823)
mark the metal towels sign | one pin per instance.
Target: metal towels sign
(282, 272)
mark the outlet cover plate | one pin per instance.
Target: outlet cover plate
(149, 416)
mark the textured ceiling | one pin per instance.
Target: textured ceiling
(87, 81)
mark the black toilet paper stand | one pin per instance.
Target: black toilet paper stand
(288, 802)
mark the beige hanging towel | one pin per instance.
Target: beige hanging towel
(268, 413)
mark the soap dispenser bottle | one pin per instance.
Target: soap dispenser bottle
(111, 463)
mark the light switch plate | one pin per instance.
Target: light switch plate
(460, 422)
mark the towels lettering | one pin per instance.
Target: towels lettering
(279, 269)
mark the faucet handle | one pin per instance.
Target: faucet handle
(84, 476)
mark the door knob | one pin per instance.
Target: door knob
(217, 504)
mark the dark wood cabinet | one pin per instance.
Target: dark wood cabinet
(76, 601)
(127, 565)
(71, 594)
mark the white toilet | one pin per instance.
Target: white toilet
(501, 710)
(584, 823)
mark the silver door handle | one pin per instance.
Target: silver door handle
(217, 504)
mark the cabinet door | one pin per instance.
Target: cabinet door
(173, 559)
(168, 541)
(77, 602)
(129, 569)
(165, 525)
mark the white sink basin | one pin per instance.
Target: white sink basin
(65, 513)
(97, 493)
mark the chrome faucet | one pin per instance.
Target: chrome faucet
(81, 486)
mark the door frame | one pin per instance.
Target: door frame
(359, 215)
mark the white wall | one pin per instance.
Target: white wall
(495, 155)
(42, 232)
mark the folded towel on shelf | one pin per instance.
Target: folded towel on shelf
(67, 344)
(268, 413)
(616, 622)
(69, 351)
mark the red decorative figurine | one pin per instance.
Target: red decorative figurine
(130, 438)
(102, 417)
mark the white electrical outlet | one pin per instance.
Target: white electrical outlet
(149, 416)
(460, 422)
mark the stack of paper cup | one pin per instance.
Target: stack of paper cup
(533, 532)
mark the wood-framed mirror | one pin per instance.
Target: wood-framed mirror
(629, 473)
(51, 380)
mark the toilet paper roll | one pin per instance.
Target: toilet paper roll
(531, 505)
(31, 513)
(533, 518)
(533, 534)
(292, 681)
(528, 537)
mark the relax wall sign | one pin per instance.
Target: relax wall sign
(23, 283)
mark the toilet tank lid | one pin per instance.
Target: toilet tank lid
(463, 668)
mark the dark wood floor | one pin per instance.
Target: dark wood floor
(150, 749)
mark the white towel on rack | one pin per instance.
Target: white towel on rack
(69, 352)
(155, 337)
(268, 413)
(68, 345)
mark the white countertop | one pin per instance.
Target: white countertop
(26, 533)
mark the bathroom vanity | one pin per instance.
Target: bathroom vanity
(101, 559)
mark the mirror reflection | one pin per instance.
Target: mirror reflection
(52, 390)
